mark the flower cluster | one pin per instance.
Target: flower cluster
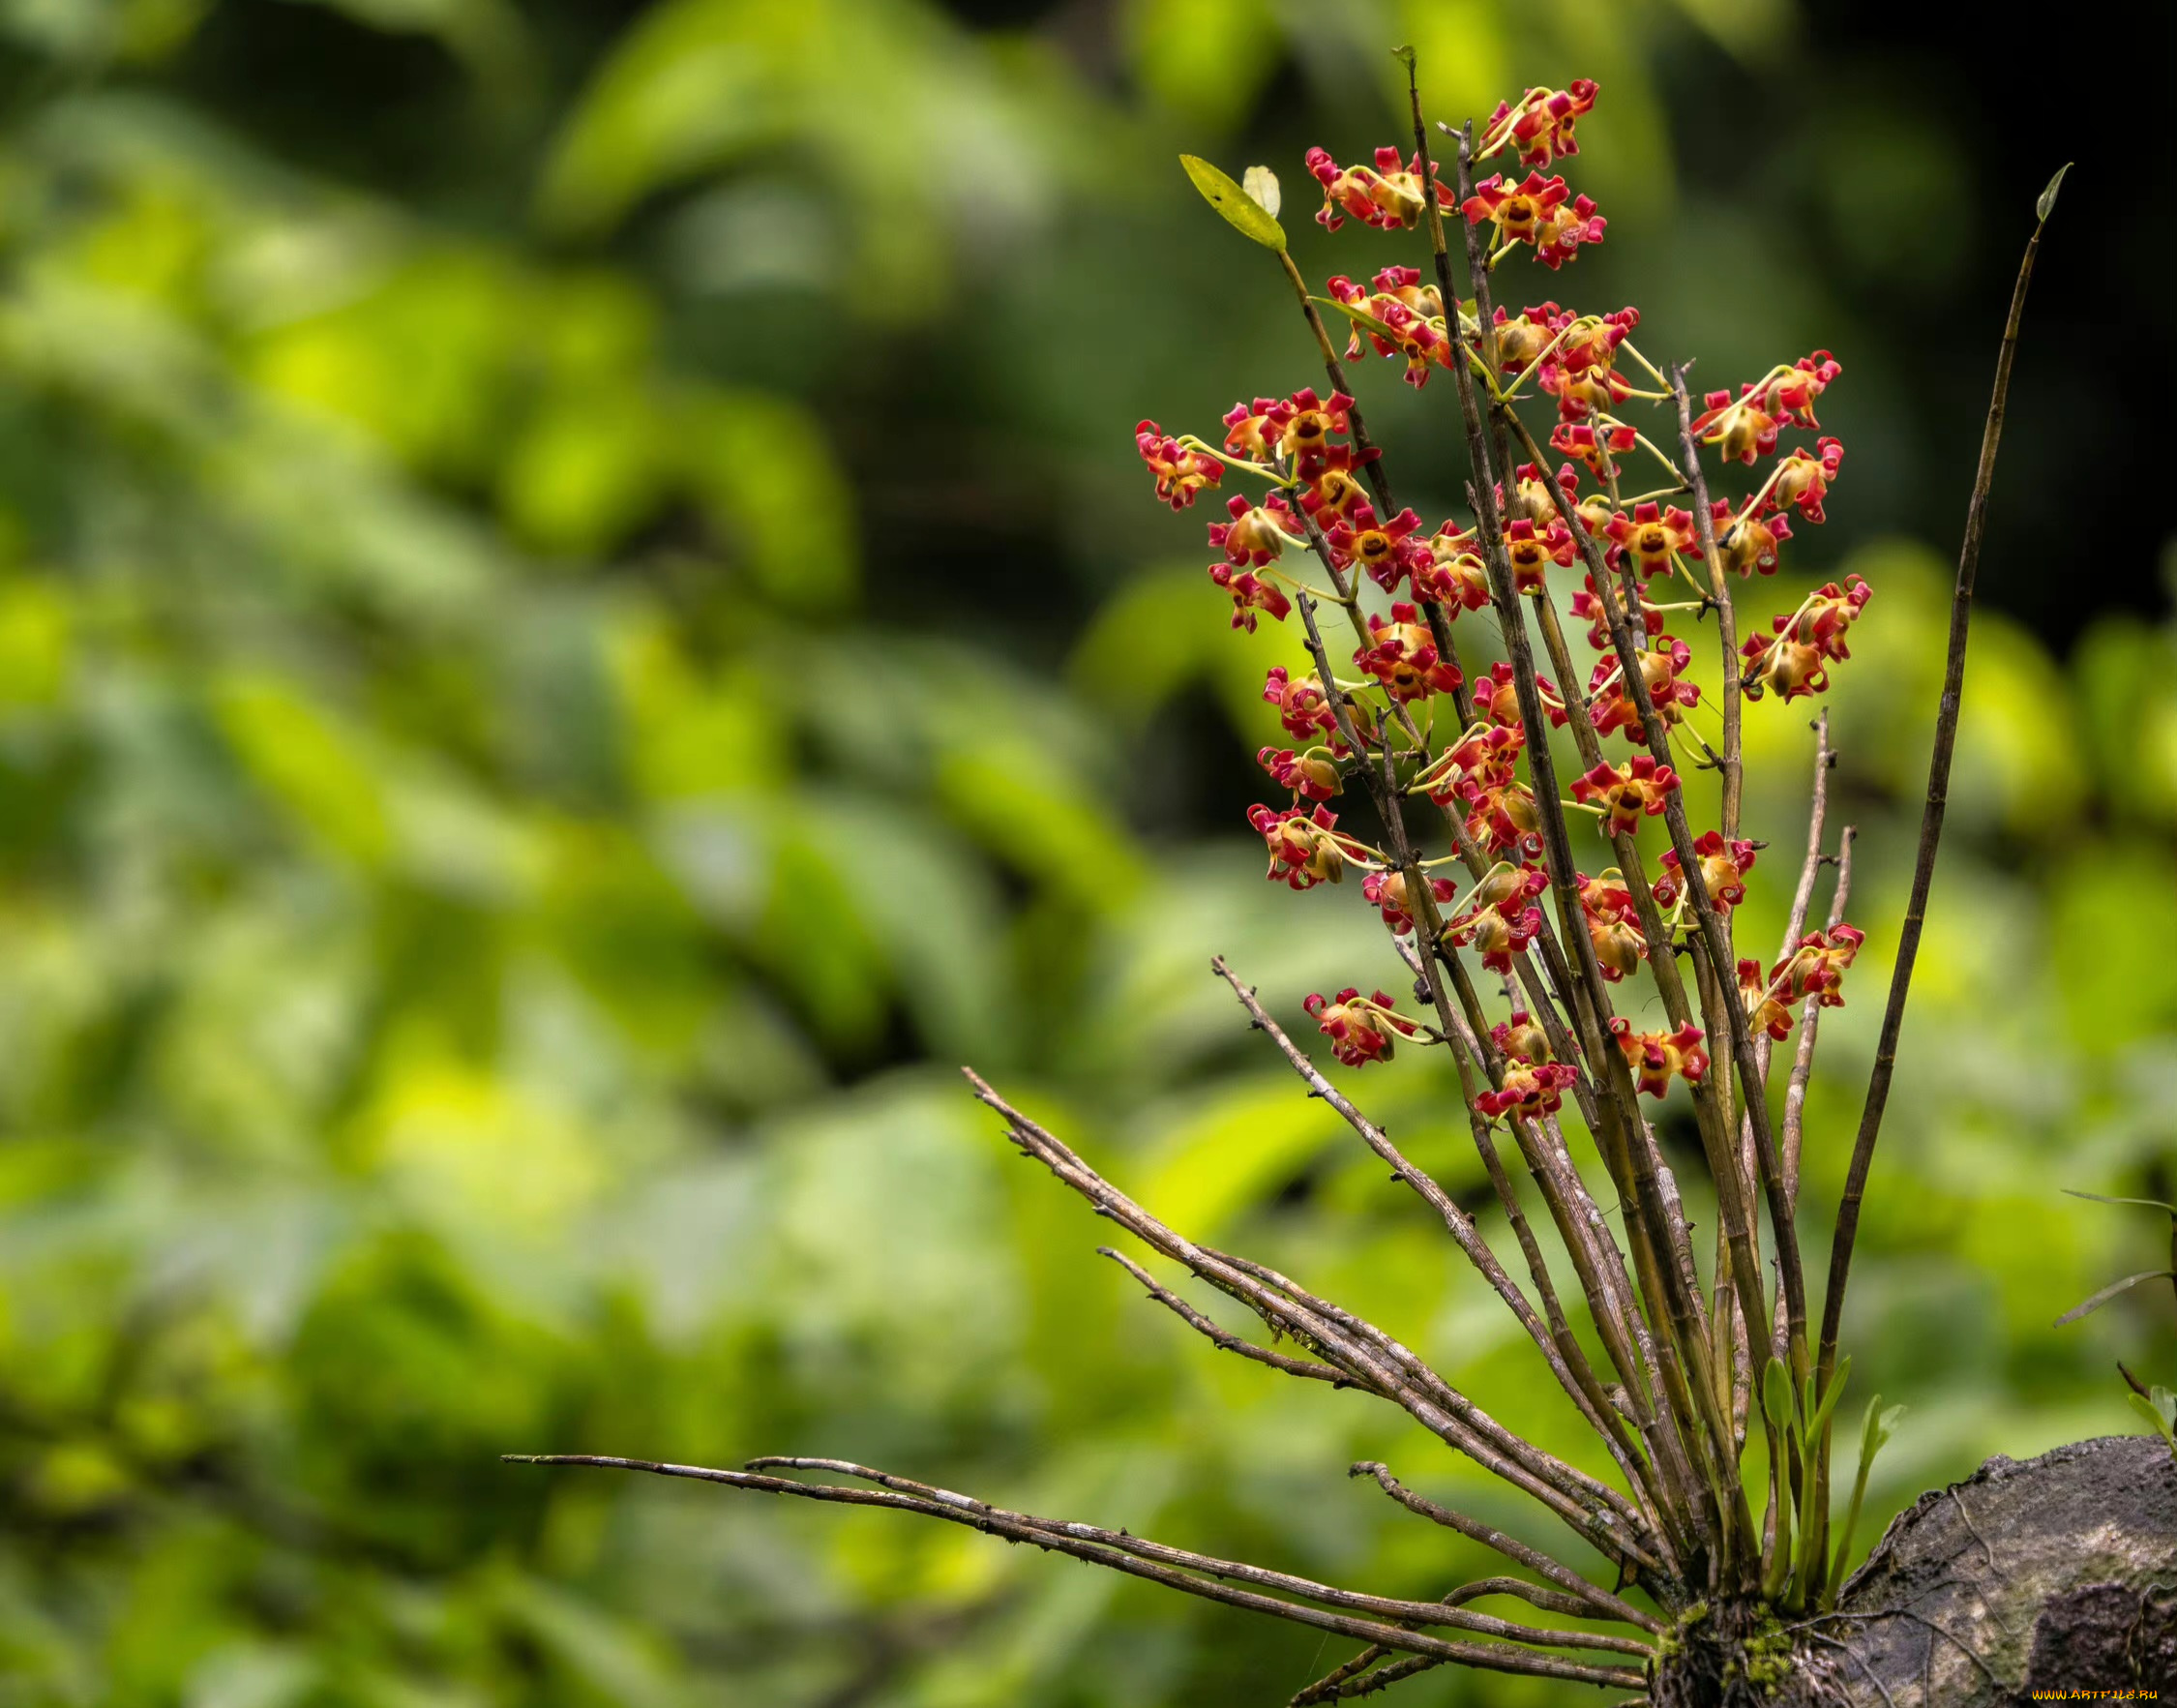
(1412, 723)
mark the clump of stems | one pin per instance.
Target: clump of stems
(1694, 1366)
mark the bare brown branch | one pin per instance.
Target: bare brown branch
(1136, 1558)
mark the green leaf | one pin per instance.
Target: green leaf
(2095, 1303)
(1776, 1398)
(2162, 1424)
(2144, 1203)
(1876, 1428)
(1819, 1416)
(1241, 211)
(2047, 204)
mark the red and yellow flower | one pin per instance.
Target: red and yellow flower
(1724, 865)
(1251, 596)
(1627, 793)
(1401, 655)
(1656, 1057)
(1180, 473)
(1304, 845)
(1359, 1032)
(1393, 196)
(1816, 967)
(1538, 128)
(1387, 550)
(1389, 891)
(1310, 773)
(1539, 211)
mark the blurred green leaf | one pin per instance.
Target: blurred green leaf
(1240, 211)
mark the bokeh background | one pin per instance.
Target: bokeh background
(579, 625)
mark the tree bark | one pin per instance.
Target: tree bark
(2055, 1574)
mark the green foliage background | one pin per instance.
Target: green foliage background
(577, 625)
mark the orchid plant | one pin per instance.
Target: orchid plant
(1524, 905)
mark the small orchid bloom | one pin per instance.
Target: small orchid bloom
(1257, 533)
(1387, 550)
(1388, 890)
(1530, 1091)
(1252, 430)
(1520, 1038)
(1533, 554)
(1650, 537)
(1816, 967)
(1501, 815)
(1804, 478)
(1180, 473)
(1485, 758)
(1747, 544)
(1740, 431)
(1656, 1057)
(1795, 660)
(1724, 866)
(1310, 773)
(1791, 395)
(1307, 426)
(1359, 1032)
(1662, 667)
(1402, 656)
(1454, 576)
(1334, 485)
(1596, 452)
(1588, 603)
(1495, 697)
(1538, 211)
(1302, 707)
(1251, 596)
(1523, 337)
(1542, 497)
(1539, 127)
(1394, 196)
(1613, 924)
(1764, 1013)
(1626, 792)
(1304, 848)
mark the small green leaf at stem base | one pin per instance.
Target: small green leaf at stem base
(1241, 211)
(2161, 1411)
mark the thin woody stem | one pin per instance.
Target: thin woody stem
(1809, 1019)
(1118, 1552)
(1356, 1680)
(1223, 1338)
(1606, 1605)
(1727, 621)
(1930, 823)
(1348, 1342)
(1456, 1221)
(1710, 935)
